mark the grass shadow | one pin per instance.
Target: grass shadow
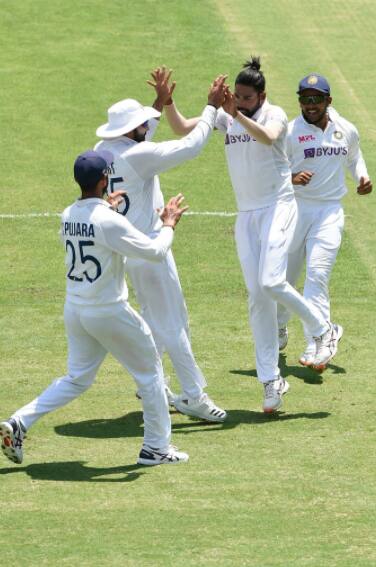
(235, 417)
(305, 373)
(129, 425)
(76, 471)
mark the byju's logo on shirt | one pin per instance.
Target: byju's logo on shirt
(325, 151)
(235, 138)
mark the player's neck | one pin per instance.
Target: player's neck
(98, 194)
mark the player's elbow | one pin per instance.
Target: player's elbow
(182, 129)
(159, 254)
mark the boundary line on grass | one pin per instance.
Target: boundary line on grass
(51, 215)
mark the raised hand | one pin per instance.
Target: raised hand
(229, 104)
(216, 95)
(164, 89)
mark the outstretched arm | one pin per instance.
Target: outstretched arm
(122, 237)
(149, 159)
(179, 124)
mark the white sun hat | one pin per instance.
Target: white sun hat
(125, 116)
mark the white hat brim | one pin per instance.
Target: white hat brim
(105, 131)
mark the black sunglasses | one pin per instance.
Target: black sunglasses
(312, 99)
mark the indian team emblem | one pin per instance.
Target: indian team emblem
(312, 80)
(338, 135)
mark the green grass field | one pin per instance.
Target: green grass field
(294, 490)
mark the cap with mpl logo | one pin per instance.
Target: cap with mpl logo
(316, 82)
(90, 166)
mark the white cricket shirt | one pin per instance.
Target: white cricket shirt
(326, 154)
(97, 241)
(260, 174)
(136, 167)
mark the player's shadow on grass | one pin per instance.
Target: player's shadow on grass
(129, 425)
(305, 373)
(77, 471)
(308, 375)
(235, 417)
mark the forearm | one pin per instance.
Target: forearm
(123, 238)
(151, 159)
(263, 134)
(179, 124)
(358, 168)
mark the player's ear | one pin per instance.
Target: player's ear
(262, 97)
(329, 100)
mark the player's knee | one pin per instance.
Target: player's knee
(273, 289)
(318, 277)
(80, 381)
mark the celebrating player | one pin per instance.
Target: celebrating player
(320, 146)
(98, 317)
(135, 168)
(255, 143)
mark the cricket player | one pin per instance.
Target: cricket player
(321, 146)
(255, 144)
(135, 168)
(98, 318)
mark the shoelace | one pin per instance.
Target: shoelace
(18, 438)
(270, 390)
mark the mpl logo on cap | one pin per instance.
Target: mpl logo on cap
(312, 80)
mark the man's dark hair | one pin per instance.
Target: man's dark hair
(251, 75)
(89, 187)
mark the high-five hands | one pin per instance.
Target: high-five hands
(216, 95)
(162, 86)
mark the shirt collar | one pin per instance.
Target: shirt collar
(91, 200)
(329, 125)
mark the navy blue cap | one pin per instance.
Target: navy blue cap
(316, 82)
(90, 166)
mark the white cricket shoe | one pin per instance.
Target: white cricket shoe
(273, 392)
(170, 456)
(308, 356)
(283, 337)
(202, 407)
(327, 346)
(12, 435)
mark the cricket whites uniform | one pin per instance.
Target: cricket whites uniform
(327, 154)
(135, 169)
(261, 180)
(98, 317)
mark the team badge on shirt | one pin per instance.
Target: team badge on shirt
(338, 135)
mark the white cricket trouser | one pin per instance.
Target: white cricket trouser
(162, 305)
(263, 237)
(91, 333)
(317, 239)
